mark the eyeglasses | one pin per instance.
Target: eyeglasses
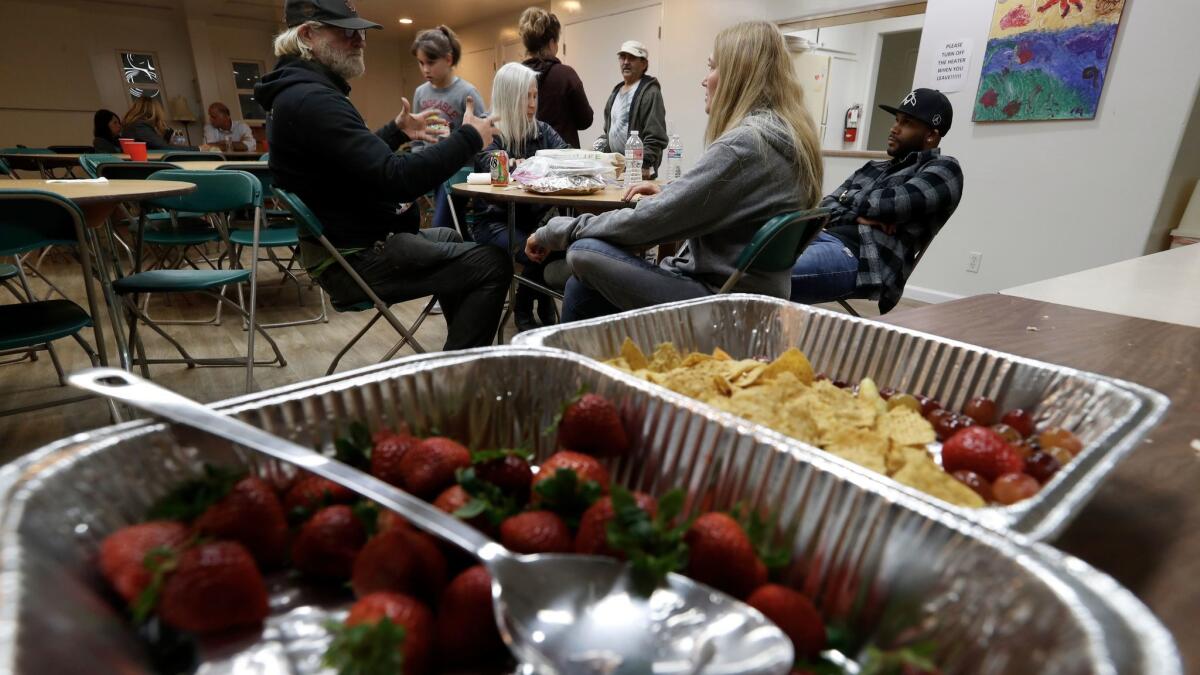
(349, 33)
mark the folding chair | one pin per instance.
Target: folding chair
(91, 162)
(777, 244)
(217, 192)
(274, 237)
(464, 225)
(924, 246)
(28, 164)
(6, 170)
(191, 156)
(313, 228)
(30, 220)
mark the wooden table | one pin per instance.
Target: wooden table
(98, 201)
(608, 199)
(1163, 287)
(1143, 525)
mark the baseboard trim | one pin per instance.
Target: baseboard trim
(930, 295)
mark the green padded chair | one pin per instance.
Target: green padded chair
(217, 193)
(27, 164)
(31, 220)
(191, 156)
(463, 223)
(777, 244)
(279, 233)
(6, 170)
(92, 161)
(312, 227)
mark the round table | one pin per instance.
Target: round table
(213, 166)
(608, 199)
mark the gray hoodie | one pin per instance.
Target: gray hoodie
(745, 178)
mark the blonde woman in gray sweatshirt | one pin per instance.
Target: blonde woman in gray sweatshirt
(763, 159)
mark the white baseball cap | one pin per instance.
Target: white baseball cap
(634, 48)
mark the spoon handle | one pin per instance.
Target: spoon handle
(145, 395)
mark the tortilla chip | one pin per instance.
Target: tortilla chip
(860, 446)
(665, 358)
(792, 361)
(694, 359)
(905, 426)
(751, 375)
(926, 476)
(900, 455)
(633, 355)
(720, 355)
(619, 362)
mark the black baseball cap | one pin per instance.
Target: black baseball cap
(928, 105)
(339, 13)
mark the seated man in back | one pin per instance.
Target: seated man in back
(226, 133)
(353, 181)
(885, 212)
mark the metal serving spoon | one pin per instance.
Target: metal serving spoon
(561, 614)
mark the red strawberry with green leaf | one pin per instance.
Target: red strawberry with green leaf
(329, 542)
(722, 556)
(123, 554)
(591, 424)
(795, 615)
(210, 587)
(387, 454)
(508, 470)
(400, 560)
(310, 493)
(536, 532)
(592, 537)
(251, 515)
(982, 450)
(653, 544)
(429, 467)
(466, 624)
(383, 633)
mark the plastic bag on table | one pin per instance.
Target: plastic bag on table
(537, 167)
(565, 185)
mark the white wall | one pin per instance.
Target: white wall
(1049, 198)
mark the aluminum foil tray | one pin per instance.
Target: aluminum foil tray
(1110, 416)
(889, 566)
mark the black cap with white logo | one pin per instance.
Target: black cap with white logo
(927, 105)
(339, 13)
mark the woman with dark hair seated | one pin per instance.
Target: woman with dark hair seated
(106, 127)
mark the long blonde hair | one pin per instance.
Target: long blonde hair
(509, 91)
(146, 110)
(756, 76)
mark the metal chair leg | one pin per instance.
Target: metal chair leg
(353, 341)
(412, 329)
(846, 306)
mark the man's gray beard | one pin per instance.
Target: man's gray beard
(347, 65)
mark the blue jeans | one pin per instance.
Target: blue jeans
(825, 272)
(608, 279)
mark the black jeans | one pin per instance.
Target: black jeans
(470, 280)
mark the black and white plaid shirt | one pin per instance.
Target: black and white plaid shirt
(916, 194)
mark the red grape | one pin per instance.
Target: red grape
(947, 424)
(928, 404)
(976, 482)
(1025, 449)
(1041, 466)
(982, 410)
(1008, 433)
(1013, 487)
(887, 393)
(1057, 437)
(1060, 455)
(1020, 420)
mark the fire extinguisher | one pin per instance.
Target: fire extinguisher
(852, 116)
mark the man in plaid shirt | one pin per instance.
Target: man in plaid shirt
(885, 212)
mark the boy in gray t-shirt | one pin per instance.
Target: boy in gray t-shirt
(450, 101)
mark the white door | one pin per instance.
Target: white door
(590, 47)
(512, 51)
(477, 67)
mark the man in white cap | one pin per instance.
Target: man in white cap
(636, 104)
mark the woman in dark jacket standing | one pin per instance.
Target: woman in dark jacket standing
(106, 127)
(563, 103)
(521, 134)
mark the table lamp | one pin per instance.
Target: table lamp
(182, 112)
(1188, 231)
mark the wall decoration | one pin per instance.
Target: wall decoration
(1047, 59)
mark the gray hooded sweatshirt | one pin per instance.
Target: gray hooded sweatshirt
(746, 177)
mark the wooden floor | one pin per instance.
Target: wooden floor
(308, 350)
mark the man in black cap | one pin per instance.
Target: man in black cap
(353, 180)
(886, 211)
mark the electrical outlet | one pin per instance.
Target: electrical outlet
(974, 258)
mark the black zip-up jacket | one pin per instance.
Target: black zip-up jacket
(351, 178)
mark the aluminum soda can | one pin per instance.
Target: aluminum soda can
(499, 168)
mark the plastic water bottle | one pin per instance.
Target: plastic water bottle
(177, 138)
(634, 151)
(674, 167)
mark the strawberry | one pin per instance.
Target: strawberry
(428, 468)
(982, 450)
(311, 492)
(251, 515)
(536, 532)
(466, 622)
(383, 633)
(722, 556)
(592, 538)
(510, 473)
(586, 469)
(401, 561)
(390, 520)
(214, 586)
(454, 500)
(387, 454)
(653, 543)
(329, 542)
(123, 554)
(795, 615)
(593, 425)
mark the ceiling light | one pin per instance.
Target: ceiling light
(406, 20)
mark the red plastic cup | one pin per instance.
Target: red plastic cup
(136, 151)
(125, 144)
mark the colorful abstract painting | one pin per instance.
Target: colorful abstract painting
(1047, 59)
